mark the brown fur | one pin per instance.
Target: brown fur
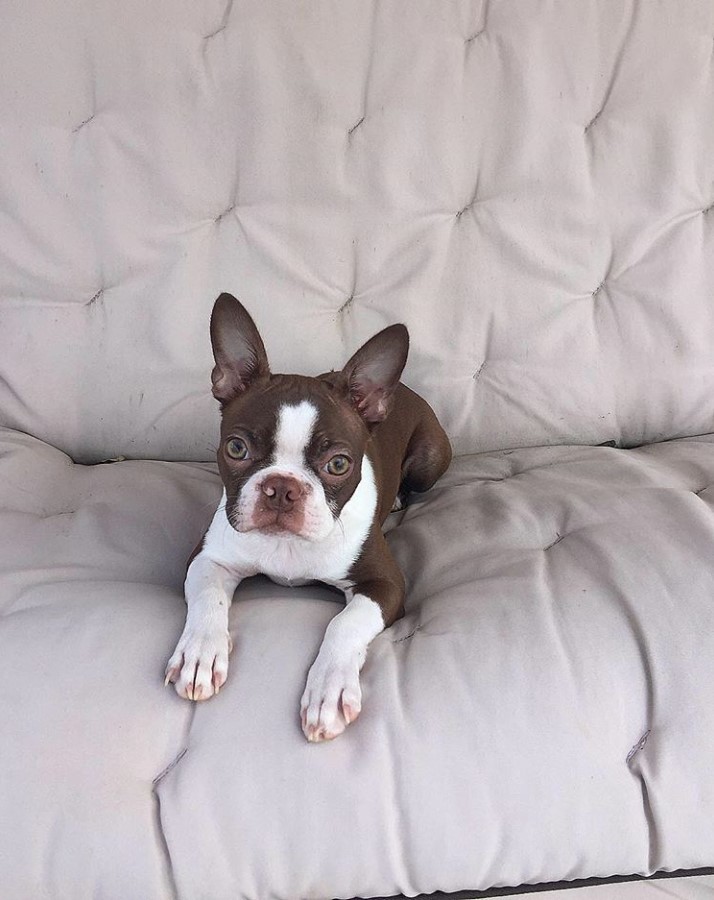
(362, 409)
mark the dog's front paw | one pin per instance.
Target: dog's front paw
(199, 665)
(332, 697)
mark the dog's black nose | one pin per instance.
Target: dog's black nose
(281, 491)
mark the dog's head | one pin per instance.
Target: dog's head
(292, 446)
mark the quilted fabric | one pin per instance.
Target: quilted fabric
(527, 184)
(543, 711)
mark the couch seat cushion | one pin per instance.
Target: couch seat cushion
(543, 711)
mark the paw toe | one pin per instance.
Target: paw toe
(199, 666)
(332, 698)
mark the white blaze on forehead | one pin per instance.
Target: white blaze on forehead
(294, 432)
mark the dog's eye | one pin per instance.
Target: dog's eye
(237, 449)
(338, 465)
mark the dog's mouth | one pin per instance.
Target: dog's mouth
(297, 519)
(271, 522)
(280, 525)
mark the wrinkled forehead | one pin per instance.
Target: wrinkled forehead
(295, 414)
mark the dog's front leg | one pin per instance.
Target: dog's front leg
(333, 697)
(199, 665)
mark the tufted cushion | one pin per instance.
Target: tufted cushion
(529, 185)
(543, 711)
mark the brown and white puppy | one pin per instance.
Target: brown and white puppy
(311, 467)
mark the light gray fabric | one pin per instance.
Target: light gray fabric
(527, 184)
(695, 888)
(543, 712)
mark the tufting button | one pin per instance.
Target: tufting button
(347, 304)
(407, 636)
(472, 202)
(212, 34)
(226, 212)
(83, 123)
(224, 22)
(638, 746)
(472, 38)
(593, 121)
(98, 296)
(479, 31)
(466, 208)
(354, 128)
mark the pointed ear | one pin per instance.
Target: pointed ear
(373, 372)
(237, 348)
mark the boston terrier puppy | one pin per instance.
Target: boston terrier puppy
(311, 467)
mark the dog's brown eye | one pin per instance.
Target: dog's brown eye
(338, 465)
(236, 448)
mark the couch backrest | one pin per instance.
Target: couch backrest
(528, 185)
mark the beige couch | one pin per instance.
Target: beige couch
(529, 186)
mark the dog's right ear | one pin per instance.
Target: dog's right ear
(237, 349)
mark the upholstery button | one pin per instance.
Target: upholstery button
(83, 123)
(226, 212)
(558, 539)
(472, 202)
(477, 374)
(224, 22)
(347, 304)
(593, 121)
(354, 128)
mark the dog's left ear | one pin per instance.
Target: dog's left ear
(372, 374)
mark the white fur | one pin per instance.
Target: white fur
(333, 697)
(199, 665)
(292, 436)
(289, 559)
(293, 433)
